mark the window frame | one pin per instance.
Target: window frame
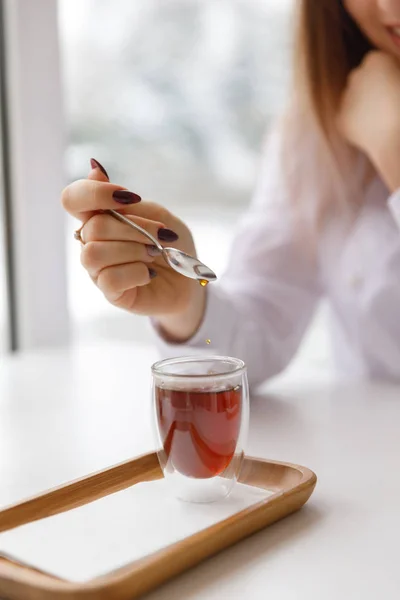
(5, 206)
(33, 163)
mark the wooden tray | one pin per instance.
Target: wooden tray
(292, 486)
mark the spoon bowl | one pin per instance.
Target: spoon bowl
(188, 265)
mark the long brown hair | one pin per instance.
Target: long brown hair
(328, 46)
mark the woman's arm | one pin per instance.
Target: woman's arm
(262, 306)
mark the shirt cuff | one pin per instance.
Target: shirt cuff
(394, 206)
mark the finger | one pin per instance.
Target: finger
(97, 172)
(96, 256)
(150, 210)
(114, 281)
(84, 197)
(103, 228)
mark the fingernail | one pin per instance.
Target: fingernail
(167, 235)
(152, 273)
(96, 165)
(153, 251)
(125, 197)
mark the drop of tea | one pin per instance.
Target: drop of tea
(203, 282)
(208, 342)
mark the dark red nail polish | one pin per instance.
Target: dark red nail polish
(96, 165)
(125, 197)
(152, 273)
(167, 235)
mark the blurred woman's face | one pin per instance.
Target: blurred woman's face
(380, 22)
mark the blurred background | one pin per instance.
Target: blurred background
(174, 98)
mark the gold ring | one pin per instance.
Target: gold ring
(77, 235)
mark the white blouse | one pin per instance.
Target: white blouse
(260, 309)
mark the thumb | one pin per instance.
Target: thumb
(98, 172)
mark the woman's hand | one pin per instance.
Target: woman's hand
(129, 271)
(369, 116)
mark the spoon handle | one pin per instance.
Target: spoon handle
(127, 221)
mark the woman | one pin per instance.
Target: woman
(322, 222)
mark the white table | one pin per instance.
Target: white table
(65, 414)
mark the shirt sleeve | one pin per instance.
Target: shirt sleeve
(261, 307)
(394, 205)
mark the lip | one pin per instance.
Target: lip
(394, 32)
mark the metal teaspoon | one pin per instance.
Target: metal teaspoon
(179, 261)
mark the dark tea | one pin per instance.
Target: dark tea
(199, 428)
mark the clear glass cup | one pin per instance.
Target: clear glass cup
(201, 413)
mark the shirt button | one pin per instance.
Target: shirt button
(356, 282)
